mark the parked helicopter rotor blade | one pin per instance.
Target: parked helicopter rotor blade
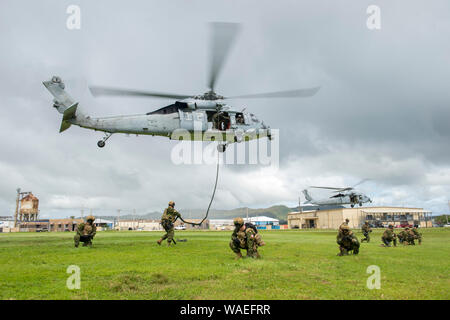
(223, 35)
(105, 91)
(299, 93)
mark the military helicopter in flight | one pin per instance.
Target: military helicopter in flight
(208, 113)
(342, 196)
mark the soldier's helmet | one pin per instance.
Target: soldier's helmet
(347, 220)
(391, 226)
(345, 228)
(171, 204)
(91, 218)
(406, 228)
(238, 221)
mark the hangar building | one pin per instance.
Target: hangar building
(376, 216)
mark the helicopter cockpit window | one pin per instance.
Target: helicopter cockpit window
(239, 118)
(166, 110)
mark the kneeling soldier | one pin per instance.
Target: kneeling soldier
(403, 236)
(85, 232)
(245, 236)
(416, 234)
(389, 236)
(347, 241)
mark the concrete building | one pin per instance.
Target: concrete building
(142, 224)
(6, 223)
(376, 216)
(221, 224)
(64, 224)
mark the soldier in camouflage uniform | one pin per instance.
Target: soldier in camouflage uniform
(366, 230)
(347, 241)
(168, 219)
(403, 236)
(85, 232)
(343, 226)
(416, 234)
(389, 236)
(345, 223)
(245, 236)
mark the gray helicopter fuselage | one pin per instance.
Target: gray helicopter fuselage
(358, 198)
(198, 118)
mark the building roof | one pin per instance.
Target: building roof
(100, 220)
(260, 218)
(379, 209)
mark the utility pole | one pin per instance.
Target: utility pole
(449, 208)
(118, 218)
(82, 213)
(17, 208)
(247, 214)
(299, 205)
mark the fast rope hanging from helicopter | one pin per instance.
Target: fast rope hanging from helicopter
(212, 197)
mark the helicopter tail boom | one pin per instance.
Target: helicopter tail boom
(307, 196)
(62, 101)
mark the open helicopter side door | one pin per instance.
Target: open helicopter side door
(193, 120)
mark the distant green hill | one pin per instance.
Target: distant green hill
(277, 212)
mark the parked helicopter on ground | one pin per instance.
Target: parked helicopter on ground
(343, 196)
(207, 113)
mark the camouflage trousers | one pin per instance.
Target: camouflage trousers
(387, 242)
(251, 246)
(170, 232)
(344, 250)
(87, 240)
(366, 237)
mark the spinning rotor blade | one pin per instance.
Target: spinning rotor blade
(335, 189)
(332, 188)
(223, 35)
(105, 91)
(303, 93)
(362, 181)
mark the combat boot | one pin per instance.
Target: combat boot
(238, 256)
(159, 241)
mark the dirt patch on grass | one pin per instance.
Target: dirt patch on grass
(126, 282)
(159, 278)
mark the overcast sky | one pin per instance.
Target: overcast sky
(382, 111)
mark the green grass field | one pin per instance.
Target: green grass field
(294, 265)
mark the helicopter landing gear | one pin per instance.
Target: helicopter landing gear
(352, 205)
(221, 147)
(101, 143)
(360, 204)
